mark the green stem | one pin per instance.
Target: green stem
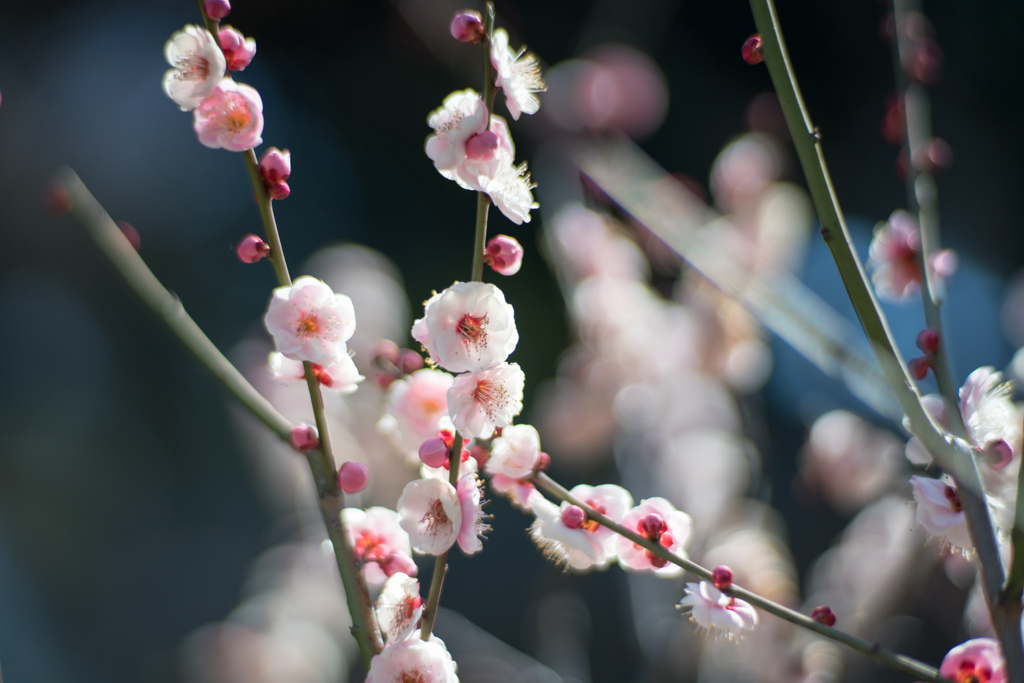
(269, 223)
(956, 458)
(890, 659)
(441, 563)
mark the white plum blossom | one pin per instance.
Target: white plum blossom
(658, 521)
(478, 402)
(198, 63)
(715, 612)
(469, 327)
(478, 155)
(342, 377)
(515, 453)
(417, 409)
(940, 513)
(310, 322)
(575, 548)
(431, 513)
(517, 74)
(462, 115)
(380, 544)
(413, 660)
(399, 606)
(611, 501)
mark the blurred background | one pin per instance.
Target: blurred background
(135, 504)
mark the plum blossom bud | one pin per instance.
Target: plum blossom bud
(543, 462)
(824, 615)
(980, 659)
(305, 438)
(1000, 454)
(751, 49)
(467, 26)
(276, 164)
(278, 190)
(252, 249)
(409, 361)
(504, 254)
(721, 577)
(216, 9)
(919, 367)
(573, 517)
(353, 477)
(928, 341)
(434, 452)
(238, 50)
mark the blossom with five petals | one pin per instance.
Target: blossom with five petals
(417, 409)
(715, 612)
(479, 402)
(468, 327)
(310, 322)
(230, 117)
(413, 660)
(431, 513)
(198, 66)
(517, 74)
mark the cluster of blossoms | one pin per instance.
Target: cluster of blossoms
(226, 115)
(470, 144)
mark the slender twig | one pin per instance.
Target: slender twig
(953, 455)
(875, 651)
(483, 201)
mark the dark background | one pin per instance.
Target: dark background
(127, 514)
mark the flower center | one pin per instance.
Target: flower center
(490, 396)
(434, 518)
(192, 68)
(308, 325)
(321, 375)
(237, 115)
(967, 672)
(369, 547)
(590, 525)
(412, 676)
(953, 498)
(472, 329)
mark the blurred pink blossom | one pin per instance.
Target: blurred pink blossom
(940, 513)
(230, 117)
(417, 409)
(238, 50)
(715, 612)
(380, 544)
(979, 660)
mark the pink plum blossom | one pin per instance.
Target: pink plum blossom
(611, 501)
(252, 249)
(515, 453)
(461, 116)
(310, 322)
(417, 409)
(216, 9)
(380, 544)
(574, 547)
(479, 402)
(431, 513)
(399, 606)
(230, 117)
(895, 254)
(198, 66)
(940, 513)
(413, 661)
(657, 520)
(238, 50)
(469, 327)
(976, 661)
(715, 612)
(517, 74)
(342, 377)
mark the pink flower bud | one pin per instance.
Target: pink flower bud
(353, 477)
(434, 453)
(751, 49)
(823, 615)
(928, 341)
(276, 164)
(279, 190)
(252, 249)
(130, 234)
(482, 146)
(409, 361)
(721, 577)
(573, 517)
(919, 367)
(238, 50)
(216, 9)
(504, 254)
(543, 462)
(305, 438)
(1000, 453)
(467, 26)
(385, 353)
(398, 562)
